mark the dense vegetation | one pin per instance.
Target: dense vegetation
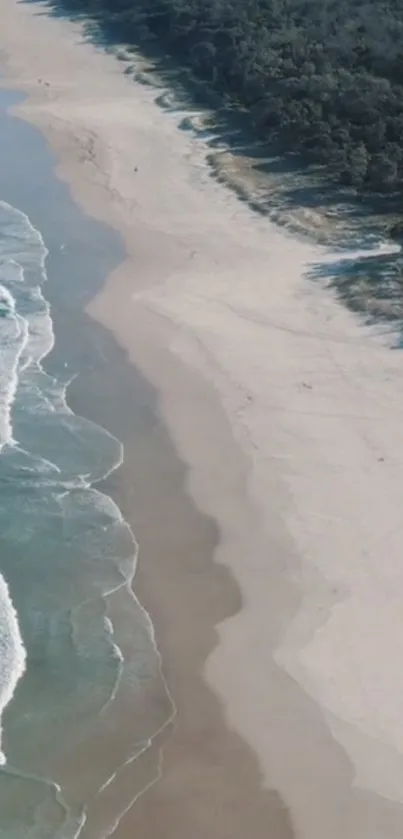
(321, 77)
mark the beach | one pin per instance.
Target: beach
(261, 476)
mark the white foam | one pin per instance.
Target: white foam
(26, 333)
(22, 272)
(26, 336)
(13, 338)
(12, 652)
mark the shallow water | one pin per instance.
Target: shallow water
(75, 700)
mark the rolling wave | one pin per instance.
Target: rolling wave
(77, 652)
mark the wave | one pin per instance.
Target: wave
(14, 339)
(12, 651)
(81, 681)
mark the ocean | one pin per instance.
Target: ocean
(78, 661)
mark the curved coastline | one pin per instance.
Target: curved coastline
(188, 353)
(88, 365)
(65, 605)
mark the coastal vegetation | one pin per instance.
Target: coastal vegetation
(323, 78)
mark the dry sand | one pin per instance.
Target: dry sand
(288, 413)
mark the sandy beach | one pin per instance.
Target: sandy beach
(270, 559)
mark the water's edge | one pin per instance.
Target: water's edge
(77, 248)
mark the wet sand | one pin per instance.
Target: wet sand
(201, 775)
(211, 782)
(261, 559)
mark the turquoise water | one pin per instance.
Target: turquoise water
(77, 656)
(81, 692)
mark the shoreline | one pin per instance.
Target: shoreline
(286, 456)
(208, 754)
(92, 360)
(95, 760)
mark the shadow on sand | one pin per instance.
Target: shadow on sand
(371, 286)
(295, 195)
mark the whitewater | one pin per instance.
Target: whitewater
(67, 563)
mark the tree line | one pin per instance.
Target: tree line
(323, 78)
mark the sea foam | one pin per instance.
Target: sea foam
(21, 249)
(12, 651)
(69, 620)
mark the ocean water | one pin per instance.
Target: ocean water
(79, 670)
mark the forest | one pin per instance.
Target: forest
(322, 78)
